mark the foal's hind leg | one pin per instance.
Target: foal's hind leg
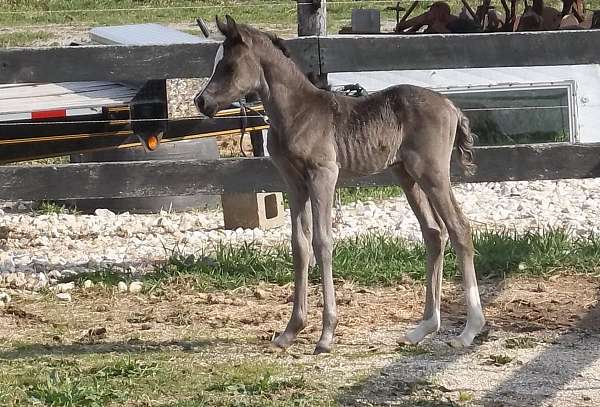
(436, 184)
(301, 238)
(434, 237)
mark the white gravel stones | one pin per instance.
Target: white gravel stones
(122, 286)
(105, 213)
(64, 287)
(63, 245)
(88, 284)
(135, 287)
(64, 297)
(7, 264)
(55, 274)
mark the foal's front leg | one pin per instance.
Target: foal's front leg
(301, 237)
(321, 187)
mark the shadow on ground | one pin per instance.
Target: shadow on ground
(132, 346)
(565, 371)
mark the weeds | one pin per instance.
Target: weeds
(412, 350)
(61, 390)
(130, 368)
(500, 360)
(49, 208)
(521, 342)
(465, 396)
(105, 275)
(253, 384)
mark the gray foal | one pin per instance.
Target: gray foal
(315, 133)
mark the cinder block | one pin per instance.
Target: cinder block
(262, 210)
(366, 21)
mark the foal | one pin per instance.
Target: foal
(314, 134)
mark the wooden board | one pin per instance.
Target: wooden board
(347, 53)
(331, 54)
(189, 177)
(126, 63)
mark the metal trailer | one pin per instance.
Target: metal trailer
(48, 120)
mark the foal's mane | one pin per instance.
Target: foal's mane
(273, 38)
(278, 43)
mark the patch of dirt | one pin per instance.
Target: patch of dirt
(542, 346)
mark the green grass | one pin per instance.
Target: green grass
(500, 360)
(280, 12)
(105, 275)
(126, 367)
(62, 390)
(361, 194)
(49, 208)
(23, 38)
(385, 260)
(166, 378)
(355, 194)
(521, 342)
(253, 381)
(412, 350)
(53, 381)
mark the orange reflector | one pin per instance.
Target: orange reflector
(152, 143)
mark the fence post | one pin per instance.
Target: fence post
(312, 17)
(312, 20)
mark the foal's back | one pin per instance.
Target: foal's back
(377, 131)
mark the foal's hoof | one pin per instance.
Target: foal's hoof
(322, 348)
(282, 342)
(405, 340)
(458, 343)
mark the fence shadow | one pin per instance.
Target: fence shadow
(551, 371)
(413, 381)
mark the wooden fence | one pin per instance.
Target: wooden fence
(321, 55)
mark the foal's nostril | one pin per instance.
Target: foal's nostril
(199, 102)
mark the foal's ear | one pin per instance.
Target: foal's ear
(221, 26)
(232, 28)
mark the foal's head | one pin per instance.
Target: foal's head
(237, 70)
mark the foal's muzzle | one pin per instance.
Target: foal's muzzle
(206, 105)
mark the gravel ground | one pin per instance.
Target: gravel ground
(35, 243)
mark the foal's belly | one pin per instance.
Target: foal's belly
(363, 156)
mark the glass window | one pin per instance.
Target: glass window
(517, 116)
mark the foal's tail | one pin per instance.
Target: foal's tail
(464, 143)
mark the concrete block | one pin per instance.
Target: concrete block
(366, 21)
(262, 210)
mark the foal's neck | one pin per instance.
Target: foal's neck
(286, 85)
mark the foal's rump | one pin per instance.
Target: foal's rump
(375, 132)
